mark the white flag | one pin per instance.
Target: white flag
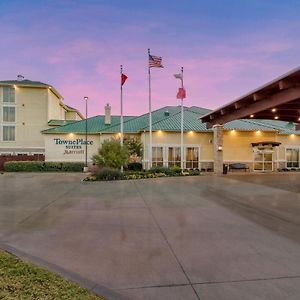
(178, 76)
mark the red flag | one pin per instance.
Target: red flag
(123, 78)
(181, 93)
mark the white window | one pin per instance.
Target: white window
(292, 158)
(9, 114)
(157, 156)
(8, 95)
(8, 133)
(174, 157)
(192, 157)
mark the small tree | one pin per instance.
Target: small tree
(111, 155)
(134, 146)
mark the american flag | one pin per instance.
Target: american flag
(155, 61)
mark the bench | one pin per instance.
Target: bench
(238, 166)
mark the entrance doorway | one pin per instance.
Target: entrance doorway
(263, 160)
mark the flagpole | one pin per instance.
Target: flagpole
(122, 129)
(150, 115)
(181, 135)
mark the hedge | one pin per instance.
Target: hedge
(109, 174)
(41, 166)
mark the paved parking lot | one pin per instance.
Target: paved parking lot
(207, 237)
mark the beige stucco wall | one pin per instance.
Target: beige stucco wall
(31, 117)
(55, 110)
(72, 115)
(287, 141)
(163, 138)
(237, 144)
(70, 152)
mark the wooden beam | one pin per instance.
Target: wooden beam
(259, 106)
(237, 105)
(257, 97)
(223, 112)
(284, 84)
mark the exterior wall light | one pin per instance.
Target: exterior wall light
(71, 135)
(251, 116)
(276, 117)
(220, 148)
(274, 110)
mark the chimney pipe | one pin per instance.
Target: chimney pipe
(107, 114)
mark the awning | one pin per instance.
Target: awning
(276, 100)
(266, 143)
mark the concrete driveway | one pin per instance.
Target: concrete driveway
(209, 238)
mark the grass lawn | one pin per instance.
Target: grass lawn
(22, 280)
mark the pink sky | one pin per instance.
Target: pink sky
(79, 48)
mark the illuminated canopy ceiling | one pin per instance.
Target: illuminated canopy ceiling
(276, 100)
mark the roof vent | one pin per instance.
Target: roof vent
(20, 77)
(167, 114)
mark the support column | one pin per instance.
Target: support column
(218, 149)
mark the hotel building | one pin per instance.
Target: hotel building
(26, 108)
(257, 130)
(262, 145)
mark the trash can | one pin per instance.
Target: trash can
(225, 169)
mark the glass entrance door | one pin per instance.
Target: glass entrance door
(263, 160)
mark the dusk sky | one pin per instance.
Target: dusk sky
(227, 48)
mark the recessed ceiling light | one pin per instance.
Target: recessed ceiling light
(276, 117)
(251, 116)
(273, 109)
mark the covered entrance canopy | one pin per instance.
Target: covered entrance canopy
(276, 100)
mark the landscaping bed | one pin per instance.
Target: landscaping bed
(108, 174)
(22, 280)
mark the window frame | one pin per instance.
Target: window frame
(2, 132)
(286, 161)
(14, 98)
(3, 105)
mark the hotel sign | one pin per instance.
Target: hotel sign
(73, 146)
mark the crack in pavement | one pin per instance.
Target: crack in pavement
(167, 242)
(211, 282)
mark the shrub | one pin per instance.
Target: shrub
(24, 166)
(72, 166)
(167, 171)
(41, 166)
(134, 166)
(109, 174)
(52, 166)
(111, 155)
(176, 169)
(194, 172)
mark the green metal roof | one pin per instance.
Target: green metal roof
(95, 125)
(60, 122)
(141, 123)
(24, 82)
(168, 119)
